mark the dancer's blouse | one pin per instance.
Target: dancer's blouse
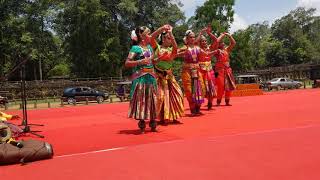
(192, 55)
(142, 53)
(164, 57)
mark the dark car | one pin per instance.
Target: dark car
(76, 94)
(3, 100)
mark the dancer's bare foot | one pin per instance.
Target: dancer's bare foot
(163, 123)
(176, 122)
(218, 102)
(228, 102)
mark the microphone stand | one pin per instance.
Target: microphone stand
(26, 126)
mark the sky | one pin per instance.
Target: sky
(253, 11)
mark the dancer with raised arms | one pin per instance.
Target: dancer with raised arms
(225, 79)
(205, 58)
(191, 77)
(170, 98)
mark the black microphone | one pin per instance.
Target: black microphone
(17, 144)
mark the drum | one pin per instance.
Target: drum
(5, 133)
(32, 150)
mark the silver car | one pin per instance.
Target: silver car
(285, 83)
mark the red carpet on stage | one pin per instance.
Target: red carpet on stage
(273, 136)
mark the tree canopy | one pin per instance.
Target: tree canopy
(292, 39)
(91, 38)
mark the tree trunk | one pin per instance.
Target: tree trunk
(40, 69)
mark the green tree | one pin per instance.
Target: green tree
(250, 51)
(259, 36)
(96, 33)
(11, 30)
(291, 30)
(84, 27)
(45, 46)
(219, 13)
(25, 31)
(242, 58)
(314, 37)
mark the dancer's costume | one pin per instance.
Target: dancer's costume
(144, 87)
(192, 79)
(5, 117)
(208, 75)
(225, 81)
(170, 98)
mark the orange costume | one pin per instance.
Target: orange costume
(225, 81)
(192, 79)
(207, 74)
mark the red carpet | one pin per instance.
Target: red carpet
(260, 137)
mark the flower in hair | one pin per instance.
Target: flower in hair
(134, 35)
(188, 32)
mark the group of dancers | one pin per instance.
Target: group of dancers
(155, 94)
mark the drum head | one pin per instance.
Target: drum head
(5, 133)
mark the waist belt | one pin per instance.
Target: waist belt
(191, 66)
(142, 72)
(225, 65)
(163, 73)
(147, 70)
(205, 66)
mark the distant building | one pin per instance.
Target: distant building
(297, 72)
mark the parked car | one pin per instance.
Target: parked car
(3, 100)
(316, 83)
(123, 90)
(250, 79)
(278, 83)
(76, 94)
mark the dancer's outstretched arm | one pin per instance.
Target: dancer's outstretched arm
(214, 44)
(221, 37)
(211, 52)
(232, 43)
(181, 51)
(174, 45)
(156, 33)
(198, 39)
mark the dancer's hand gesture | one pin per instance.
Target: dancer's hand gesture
(145, 61)
(203, 30)
(226, 34)
(167, 27)
(209, 29)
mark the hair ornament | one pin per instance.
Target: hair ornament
(134, 35)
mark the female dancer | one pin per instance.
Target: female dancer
(225, 80)
(170, 99)
(206, 70)
(144, 85)
(191, 78)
